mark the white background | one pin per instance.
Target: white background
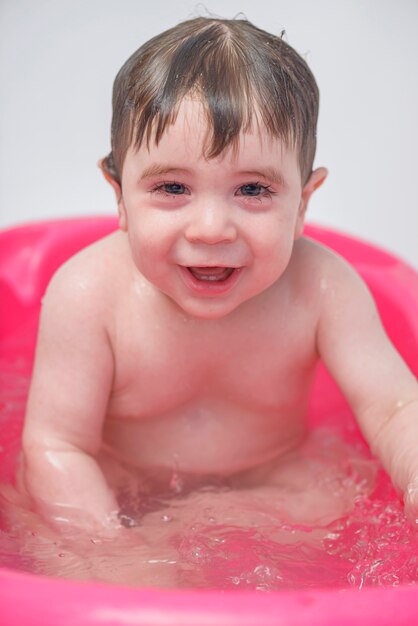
(58, 60)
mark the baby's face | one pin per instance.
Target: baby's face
(211, 234)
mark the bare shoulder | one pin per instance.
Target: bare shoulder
(84, 286)
(95, 270)
(324, 268)
(340, 292)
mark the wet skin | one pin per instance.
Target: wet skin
(188, 339)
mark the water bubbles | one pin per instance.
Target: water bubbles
(197, 553)
(193, 552)
(127, 521)
(266, 573)
(262, 577)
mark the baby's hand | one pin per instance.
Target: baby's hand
(411, 502)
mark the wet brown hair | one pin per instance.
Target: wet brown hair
(235, 69)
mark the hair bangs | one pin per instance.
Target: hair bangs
(243, 76)
(236, 92)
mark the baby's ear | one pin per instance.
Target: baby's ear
(314, 181)
(118, 192)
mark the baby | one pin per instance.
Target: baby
(188, 339)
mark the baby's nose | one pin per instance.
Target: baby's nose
(211, 223)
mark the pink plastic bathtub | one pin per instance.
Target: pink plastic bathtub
(28, 257)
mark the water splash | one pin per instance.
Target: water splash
(214, 536)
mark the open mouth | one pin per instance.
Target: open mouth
(211, 274)
(210, 280)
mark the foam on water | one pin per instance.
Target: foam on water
(218, 536)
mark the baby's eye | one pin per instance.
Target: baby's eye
(171, 189)
(254, 190)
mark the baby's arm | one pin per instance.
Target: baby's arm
(67, 405)
(380, 388)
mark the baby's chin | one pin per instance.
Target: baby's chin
(208, 312)
(206, 308)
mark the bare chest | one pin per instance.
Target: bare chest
(161, 366)
(210, 396)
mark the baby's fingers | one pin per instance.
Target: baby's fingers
(411, 502)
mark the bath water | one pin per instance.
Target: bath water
(344, 528)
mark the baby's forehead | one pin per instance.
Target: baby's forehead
(182, 152)
(192, 127)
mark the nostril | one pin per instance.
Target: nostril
(210, 233)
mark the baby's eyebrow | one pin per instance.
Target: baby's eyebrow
(161, 169)
(269, 173)
(157, 169)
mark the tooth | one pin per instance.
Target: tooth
(217, 273)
